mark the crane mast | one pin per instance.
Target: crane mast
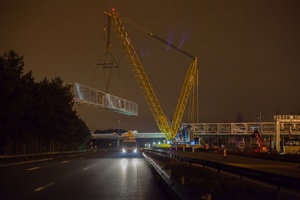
(161, 119)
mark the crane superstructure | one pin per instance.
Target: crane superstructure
(170, 130)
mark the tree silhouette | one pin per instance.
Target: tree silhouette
(36, 117)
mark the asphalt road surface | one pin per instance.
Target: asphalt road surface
(100, 175)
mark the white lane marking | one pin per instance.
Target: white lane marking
(86, 168)
(66, 161)
(33, 168)
(43, 187)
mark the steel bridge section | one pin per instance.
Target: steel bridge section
(283, 125)
(84, 95)
(245, 128)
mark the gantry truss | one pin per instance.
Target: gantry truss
(245, 128)
(284, 125)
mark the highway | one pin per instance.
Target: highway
(272, 166)
(107, 175)
(99, 175)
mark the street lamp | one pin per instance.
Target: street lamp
(259, 117)
(260, 122)
(119, 127)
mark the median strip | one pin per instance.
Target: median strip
(43, 187)
(26, 162)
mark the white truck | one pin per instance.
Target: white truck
(129, 143)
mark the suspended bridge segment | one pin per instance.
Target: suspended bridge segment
(84, 95)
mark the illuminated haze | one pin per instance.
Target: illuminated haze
(248, 53)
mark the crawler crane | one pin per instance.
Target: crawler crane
(258, 147)
(170, 130)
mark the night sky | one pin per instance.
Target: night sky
(248, 51)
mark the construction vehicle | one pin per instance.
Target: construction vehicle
(129, 144)
(258, 147)
(169, 129)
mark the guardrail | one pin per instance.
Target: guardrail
(3, 157)
(279, 181)
(175, 187)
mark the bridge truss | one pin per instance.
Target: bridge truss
(84, 95)
(284, 125)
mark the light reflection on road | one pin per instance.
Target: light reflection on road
(135, 162)
(124, 163)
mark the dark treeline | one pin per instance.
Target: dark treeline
(36, 117)
(118, 131)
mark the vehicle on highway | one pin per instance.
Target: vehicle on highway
(129, 144)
